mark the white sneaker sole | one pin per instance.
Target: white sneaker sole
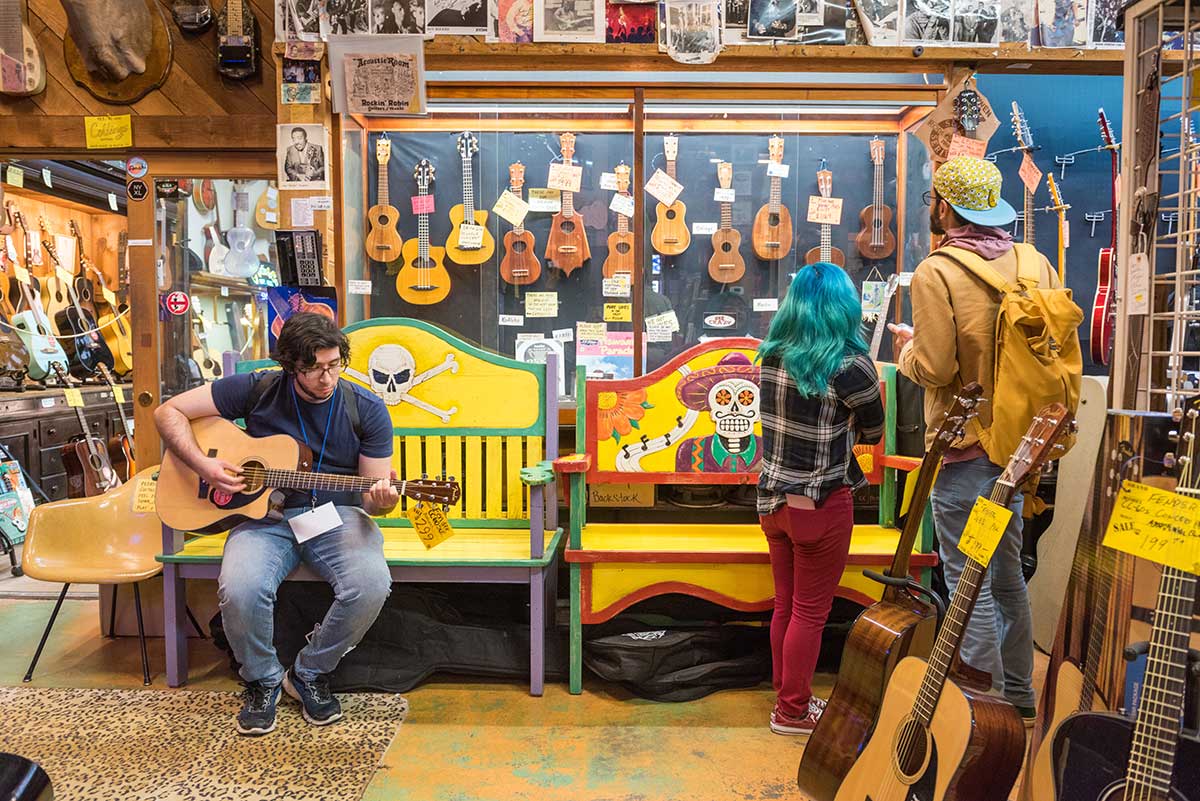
(291, 691)
(258, 732)
(789, 731)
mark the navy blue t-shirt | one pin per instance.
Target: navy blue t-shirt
(276, 414)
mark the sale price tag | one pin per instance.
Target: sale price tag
(616, 287)
(470, 236)
(422, 204)
(541, 304)
(74, 397)
(545, 200)
(962, 146)
(430, 524)
(984, 529)
(663, 187)
(1155, 524)
(824, 210)
(622, 204)
(1030, 174)
(565, 177)
(511, 208)
(143, 498)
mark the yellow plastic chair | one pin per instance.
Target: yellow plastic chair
(98, 540)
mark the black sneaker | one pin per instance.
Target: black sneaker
(320, 707)
(1028, 715)
(258, 709)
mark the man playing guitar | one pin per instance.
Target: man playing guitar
(350, 432)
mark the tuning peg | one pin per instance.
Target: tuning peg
(1185, 460)
(1173, 435)
(1177, 414)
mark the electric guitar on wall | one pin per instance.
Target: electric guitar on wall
(620, 242)
(1024, 138)
(85, 457)
(825, 252)
(32, 325)
(900, 625)
(423, 279)
(383, 241)
(520, 265)
(876, 240)
(1104, 304)
(670, 236)
(1060, 208)
(470, 241)
(772, 232)
(726, 265)
(237, 41)
(82, 343)
(939, 738)
(567, 246)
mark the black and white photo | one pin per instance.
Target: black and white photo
(1103, 26)
(298, 20)
(397, 16)
(1016, 20)
(347, 16)
(926, 21)
(975, 22)
(809, 12)
(772, 19)
(880, 21)
(465, 17)
(568, 20)
(694, 30)
(736, 12)
(1062, 23)
(302, 156)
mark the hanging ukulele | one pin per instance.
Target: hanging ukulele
(772, 232)
(876, 240)
(825, 252)
(726, 265)
(237, 41)
(1104, 305)
(567, 245)
(470, 241)
(423, 280)
(620, 242)
(520, 265)
(383, 242)
(670, 236)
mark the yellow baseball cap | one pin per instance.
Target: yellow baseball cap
(972, 186)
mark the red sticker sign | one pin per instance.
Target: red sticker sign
(178, 303)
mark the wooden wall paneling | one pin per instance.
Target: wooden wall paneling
(143, 300)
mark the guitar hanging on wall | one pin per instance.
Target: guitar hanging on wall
(567, 245)
(423, 279)
(1060, 209)
(237, 41)
(1104, 304)
(1024, 138)
(120, 447)
(81, 341)
(383, 241)
(670, 236)
(772, 232)
(32, 325)
(726, 265)
(18, 43)
(470, 241)
(876, 240)
(825, 252)
(85, 457)
(520, 265)
(620, 242)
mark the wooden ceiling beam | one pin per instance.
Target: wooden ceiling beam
(50, 136)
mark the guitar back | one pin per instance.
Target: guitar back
(670, 236)
(772, 233)
(727, 265)
(567, 245)
(475, 256)
(520, 265)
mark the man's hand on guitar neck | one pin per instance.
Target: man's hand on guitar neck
(382, 497)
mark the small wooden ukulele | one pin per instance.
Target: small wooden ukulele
(383, 242)
(520, 265)
(670, 236)
(825, 252)
(470, 241)
(726, 265)
(567, 245)
(620, 242)
(876, 240)
(423, 280)
(772, 233)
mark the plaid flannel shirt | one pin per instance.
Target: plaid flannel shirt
(808, 442)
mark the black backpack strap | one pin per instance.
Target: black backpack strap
(263, 385)
(351, 406)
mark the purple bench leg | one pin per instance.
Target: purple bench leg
(537, 630)
(175, 626)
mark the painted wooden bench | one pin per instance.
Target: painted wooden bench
(695, 421)
(486, 419)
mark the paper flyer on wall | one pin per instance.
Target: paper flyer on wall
(1062, 23)
(609, 356)
(510, 21)
(949, 22)
(400, 58)
(880, 21)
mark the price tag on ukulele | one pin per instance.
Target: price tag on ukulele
(1030, 174)
(777, 169)
(430, 524)
(984, 529)
(565, 177)
(824, 210)
(422, 204)
(74, 397)
(663, 187)
(470, 236)
(622, 204)
(1155, 524)
(511, 208)
(548, 200)
(724, 194)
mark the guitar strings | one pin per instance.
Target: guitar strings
(98, 329)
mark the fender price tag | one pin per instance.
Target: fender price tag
(1155, 524)
(430, 524)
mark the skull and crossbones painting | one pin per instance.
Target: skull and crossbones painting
(729, 392)
(392, 374)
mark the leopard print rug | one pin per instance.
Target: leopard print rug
(180, 745)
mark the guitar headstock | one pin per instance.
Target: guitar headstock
(1020, 127)
(61, 373)
(423, 173)
(961, 410)
(516, 176)
(74, 229)
(671, 147)
(968, 108)
(775, 149)
(1106, 134)
(567, 144)
(383, 150)
(1039, 444)
(18, 218)
(825, 180)
(622, 173)
(443, 493)
(725, 174)
(49, 246)
(45, 229)
(468, 145)
(1055, 197)
(877, 151)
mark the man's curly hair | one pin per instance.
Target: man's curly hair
(302, 336)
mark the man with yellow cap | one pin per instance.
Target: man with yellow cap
(952, 343)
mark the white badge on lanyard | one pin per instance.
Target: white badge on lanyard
(315, 522)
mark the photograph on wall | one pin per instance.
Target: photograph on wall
(634, 23)
(1106, 14)
(298, 20)
(772, 19)
(926, 21)
(398, 16)
(976, 22)
(1062, 23)
(347, 16)
(694, 30)
(301, 82)
(880, 21)
(568, 20)
(511, 21)
(302, 156)
(462, 17)
(809, 13)
(1016, 20)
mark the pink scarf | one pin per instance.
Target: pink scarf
(990, 243)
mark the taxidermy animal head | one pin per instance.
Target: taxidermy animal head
(114, 36)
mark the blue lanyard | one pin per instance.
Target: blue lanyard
(304, 434)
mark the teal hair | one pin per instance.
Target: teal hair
(818, 325)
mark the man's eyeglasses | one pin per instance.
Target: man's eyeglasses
(928, 197)
(329, 369)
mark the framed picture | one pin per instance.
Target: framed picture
(380, 75)
(568, 20)
(302, 155)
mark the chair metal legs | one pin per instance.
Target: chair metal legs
(46, 634)
(137, 602)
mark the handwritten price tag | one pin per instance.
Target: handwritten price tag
(663, 187)
(616, 287)
(702, 228)
(592, 332)
(984, 529)
(144, 496)
(110, 297)
(118, 394)
(470, 236)
(1154, 524)
(565, 177)
(962, 146)
(1030, 174)
(724, 194)
(430, 524)
(618, 312)
(422, 204)
(64, 275)
(21, 273)
(608, 180)
(15, 176)
(824, 210)
(622, 204)
(541, 304)
(74, 397)
(545, 200)
(777, 169)
(511, 208)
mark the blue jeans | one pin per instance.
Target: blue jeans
(999, 635)
(261, 554)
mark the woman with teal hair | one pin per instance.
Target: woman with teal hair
(820, 397)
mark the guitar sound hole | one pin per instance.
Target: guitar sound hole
(254, 483)
(911, 748)
(878, 224)
(424, 264)
(567, 227)
(773, 220)
(671, 214)
(382, 220)
(622, 248)
(518, 247)
(726, 247)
